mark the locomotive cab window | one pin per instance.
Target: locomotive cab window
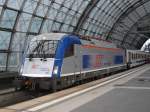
(42, 49)
(69, 51)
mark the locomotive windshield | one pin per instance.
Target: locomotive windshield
(42, 49)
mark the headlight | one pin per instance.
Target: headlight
(55, 71)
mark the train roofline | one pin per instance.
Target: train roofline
(49, 36)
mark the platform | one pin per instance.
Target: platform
(128, 93)
(132, 96)
(121, 99)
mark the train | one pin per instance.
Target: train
(59, 60)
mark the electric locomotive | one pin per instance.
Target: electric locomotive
(59, 60)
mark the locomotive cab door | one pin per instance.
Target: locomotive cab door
(77, 62)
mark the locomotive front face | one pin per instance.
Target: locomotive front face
(40, 58)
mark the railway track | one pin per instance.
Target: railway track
(11, 98)
(21, 96)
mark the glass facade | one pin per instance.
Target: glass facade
(20, 20)
(126, 27)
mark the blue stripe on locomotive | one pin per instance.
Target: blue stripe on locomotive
(118, 59)
(86, 61)
(63, 44)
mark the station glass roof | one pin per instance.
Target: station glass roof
(20, 20)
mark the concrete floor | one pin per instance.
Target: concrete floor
(119, 100)
(132, 96)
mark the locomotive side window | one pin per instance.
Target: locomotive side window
(69, 51)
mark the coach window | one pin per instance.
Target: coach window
(69, 51)
(133, 56)
(129, 55)
(142, 56)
